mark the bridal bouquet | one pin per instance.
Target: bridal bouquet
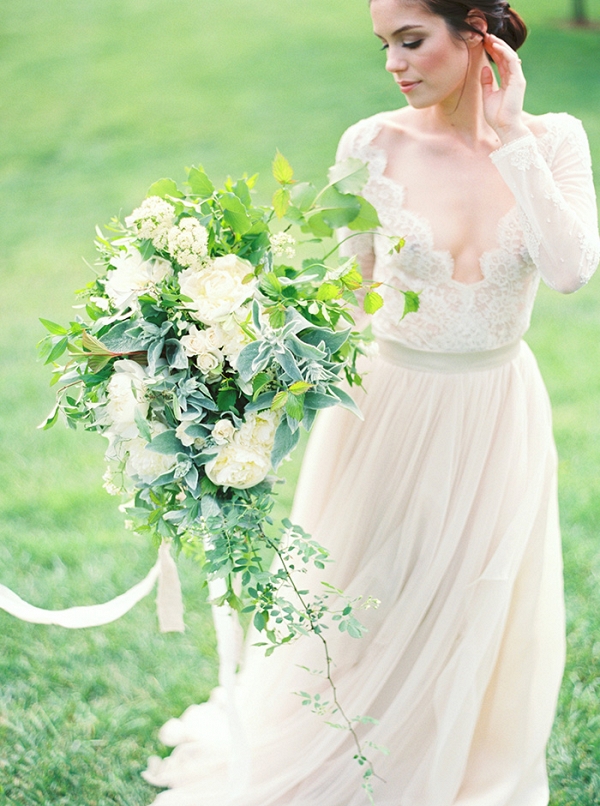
(205, 348)
(204, 351)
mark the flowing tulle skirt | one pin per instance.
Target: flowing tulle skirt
(442, 504)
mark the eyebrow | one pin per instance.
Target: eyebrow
(402, 30)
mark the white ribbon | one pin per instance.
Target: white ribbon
(230, 639)
(169, 602)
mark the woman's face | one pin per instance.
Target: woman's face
(428, 63)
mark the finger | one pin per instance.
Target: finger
(502, 52)
(487, 81)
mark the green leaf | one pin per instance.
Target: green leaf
(164, 188)
(367, 217)
(285, 442)
(328, 291)
(398, 243)
(56, 330)
(50, 419)
(279, 400)
(57, 350)
(277, 317)
(235, 213)
(352, 279)
(260, 621)
(411, 302)
(259, 382)
(339, 209)
(303, 196)
(199, 183)
(281, 201)
(226, 399)
(373, 301)
(349, 176)
(98, 362)
(294, 406)
(242, 191)
(166, 443)
(143, 426)
(300, 387)
(318, 226)
(282, 170)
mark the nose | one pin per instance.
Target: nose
(395, 62)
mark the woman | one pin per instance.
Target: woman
(442, 503)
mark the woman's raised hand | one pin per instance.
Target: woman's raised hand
(503, 106)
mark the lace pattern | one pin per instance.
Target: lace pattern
(551, 232)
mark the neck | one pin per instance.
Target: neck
(461, 114)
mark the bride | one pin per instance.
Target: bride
(442, 503)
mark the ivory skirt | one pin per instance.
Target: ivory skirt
(442, 504)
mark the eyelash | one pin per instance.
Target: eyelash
(411, 45)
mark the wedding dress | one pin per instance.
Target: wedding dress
(442, 504)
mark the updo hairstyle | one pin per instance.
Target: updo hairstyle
(502, 20)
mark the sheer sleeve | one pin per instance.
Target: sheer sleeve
(557, 204)
(361, 243)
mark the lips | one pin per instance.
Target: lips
(407, 86)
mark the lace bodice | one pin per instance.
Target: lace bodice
(550, 232)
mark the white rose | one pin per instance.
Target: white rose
(181, 435)
(257, 432)
(147, 465)
(132, 275)
(238, 467)
(217, 290)
(208, 363)
(126, 398)
(197, 341)
(223, 432)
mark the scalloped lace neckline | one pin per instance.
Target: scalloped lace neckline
(445, 256)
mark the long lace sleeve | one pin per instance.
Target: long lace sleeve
(557, 204)
(361, 243)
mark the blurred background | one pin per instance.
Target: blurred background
(99, 98)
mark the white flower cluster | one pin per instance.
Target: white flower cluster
(217, 289)
(245, 457)
(188, 242)
(153, 220)
(205, 347)
(127, 402)
(210, 346)
(283, 245)
(130, 275)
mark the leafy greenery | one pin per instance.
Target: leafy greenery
(92, 108)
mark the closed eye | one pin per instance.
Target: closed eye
(412, 45)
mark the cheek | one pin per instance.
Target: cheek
(445, 60)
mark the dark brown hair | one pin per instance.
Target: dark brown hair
(502, 20)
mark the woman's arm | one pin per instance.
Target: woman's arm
(557, 205)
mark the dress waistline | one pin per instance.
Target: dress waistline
(425, 361)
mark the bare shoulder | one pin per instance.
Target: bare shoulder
(396, 127)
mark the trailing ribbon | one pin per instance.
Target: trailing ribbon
(169, 602)
(230, 638)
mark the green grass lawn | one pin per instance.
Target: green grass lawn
(98, 99)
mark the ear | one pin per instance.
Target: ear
(476, 19)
